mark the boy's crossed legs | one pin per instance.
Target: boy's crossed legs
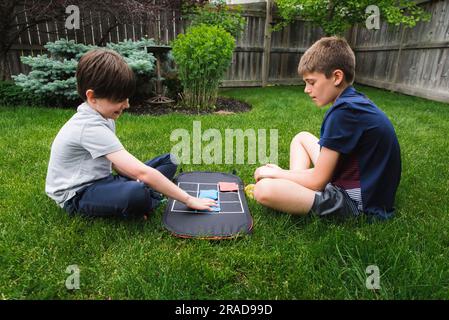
(288, 196)
(285, 195)
(120, 196)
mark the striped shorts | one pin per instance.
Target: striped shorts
(336, 201)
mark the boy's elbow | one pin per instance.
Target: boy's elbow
(144, 174)
(319, 184)
(315, 187)
(320, 187)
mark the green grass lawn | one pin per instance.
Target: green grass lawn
(285, 258)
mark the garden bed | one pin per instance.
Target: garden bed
(224, 106)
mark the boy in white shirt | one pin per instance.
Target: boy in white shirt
(79, 176)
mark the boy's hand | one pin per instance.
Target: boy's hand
(200, 204)
(268, 171)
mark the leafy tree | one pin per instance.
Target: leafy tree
(337, 16)
(217, 13)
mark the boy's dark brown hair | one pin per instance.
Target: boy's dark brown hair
(327, 55)
(107, 74)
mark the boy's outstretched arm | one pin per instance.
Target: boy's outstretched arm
(128, 165)
(314, 179)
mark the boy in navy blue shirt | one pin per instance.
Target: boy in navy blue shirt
(355, 166)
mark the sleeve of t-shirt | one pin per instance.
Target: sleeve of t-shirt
(341, 131)
(99, 140)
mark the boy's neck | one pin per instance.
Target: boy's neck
(93, 108)
(340, 91)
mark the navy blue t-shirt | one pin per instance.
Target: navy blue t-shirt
(369, 169)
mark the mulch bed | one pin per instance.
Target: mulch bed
(223, 106)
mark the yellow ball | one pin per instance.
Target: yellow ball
(249, 191)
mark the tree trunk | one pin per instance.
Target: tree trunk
(6, 26)
(5, 73)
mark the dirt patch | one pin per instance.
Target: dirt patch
(224, 106)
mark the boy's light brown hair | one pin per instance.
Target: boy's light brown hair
(106, 73)
(327, 55)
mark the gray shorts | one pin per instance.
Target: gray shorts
(334, 201)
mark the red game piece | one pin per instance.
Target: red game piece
(228, 186)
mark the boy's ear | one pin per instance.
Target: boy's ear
(339, 76)
(90, 95)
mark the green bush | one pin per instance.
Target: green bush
(64, 48)
(134, 53)
(202, 55)
(53, 76)
(13, 95)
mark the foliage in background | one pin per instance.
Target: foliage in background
(202, 56)
(203, 62)
(219, 14)
(53, 76)
(335, 17)
(13, 95)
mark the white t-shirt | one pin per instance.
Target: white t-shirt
(78, 152)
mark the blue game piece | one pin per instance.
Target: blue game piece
(209, 194)
(215, 209)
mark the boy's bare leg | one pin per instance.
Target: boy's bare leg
(284, 195)
(304, 151)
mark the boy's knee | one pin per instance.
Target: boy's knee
(172, 164)
(301, 136)
(170, 159)
(263, 190)
(138, 199)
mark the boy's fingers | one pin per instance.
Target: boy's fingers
(209, 200)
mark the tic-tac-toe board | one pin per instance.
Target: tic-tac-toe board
(230, 219)
(229, 202)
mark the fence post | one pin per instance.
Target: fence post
(395, 75)
(267, 44)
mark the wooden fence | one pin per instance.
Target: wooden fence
(285, 50)
(163, 26)
(246, 68)
(413, 61)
